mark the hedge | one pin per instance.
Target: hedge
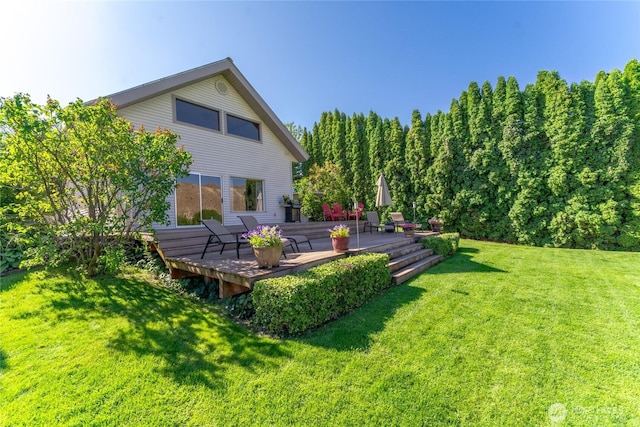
(443, 244)
(296, 303)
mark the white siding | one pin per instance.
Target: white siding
(218, 154)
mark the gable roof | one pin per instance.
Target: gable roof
(231, 73)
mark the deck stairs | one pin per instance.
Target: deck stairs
(408, 259)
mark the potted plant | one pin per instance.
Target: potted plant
(339, 238)
(267, 245)
(436, 224)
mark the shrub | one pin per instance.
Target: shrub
(296, 303)
(241, 305)
(443, 244)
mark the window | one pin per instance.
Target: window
(246, 195)
(187, 112)
(198, 197)
(242, 127)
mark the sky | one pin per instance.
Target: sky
(305, 58)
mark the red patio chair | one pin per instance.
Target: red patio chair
(326, 212)
(338, 213)
(357, 214)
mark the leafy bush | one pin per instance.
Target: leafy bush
(443, 244)
(241, 305)
(296, 303)
(10, 255)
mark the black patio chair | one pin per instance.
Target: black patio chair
(251, 223)
(221, 236)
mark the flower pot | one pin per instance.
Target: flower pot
(340, 244)
(268, 257)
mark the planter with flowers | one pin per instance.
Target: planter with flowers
(436, 224)
(339, 238)
(267, 245)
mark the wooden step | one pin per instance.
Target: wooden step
(407, 259)
(414, 269)
(403, 250)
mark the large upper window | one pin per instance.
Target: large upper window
(242, 127)
(246, 195)
(198, 197)
(187, 112)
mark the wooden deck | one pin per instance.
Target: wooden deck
(182, 249)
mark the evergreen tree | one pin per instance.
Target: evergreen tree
(338, 143)
(358, 157)
(375, 135)
(414, 157)
(395, 169)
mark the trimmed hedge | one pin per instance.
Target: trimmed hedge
(443, 244)
(296, 303)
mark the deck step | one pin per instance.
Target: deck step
(406, 259)
(406, 273)
(403, 250)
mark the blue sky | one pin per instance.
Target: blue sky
(308, 57)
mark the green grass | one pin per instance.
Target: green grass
(492, 336)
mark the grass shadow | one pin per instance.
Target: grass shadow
(3, 360)
(354, 331)
(193, 341)
(461, 262)
(9, 279)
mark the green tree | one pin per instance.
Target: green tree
(323, 184)
(358, 158)
(86, 180)
(395, 168)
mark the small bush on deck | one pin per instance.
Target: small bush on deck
(296, 303)
(443, 244)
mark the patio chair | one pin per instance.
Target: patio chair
(251, 223)
(221, 236)
(372, 222)
(398, 219)
(357, 214)
(326, 212)
(338, 212)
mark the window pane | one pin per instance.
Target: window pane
(244, 128)
(197, 115)
(246, 195)
(188, 200)
(211, 198)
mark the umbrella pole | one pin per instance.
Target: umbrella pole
(355, 208)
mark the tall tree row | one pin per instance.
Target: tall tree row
(551, 165)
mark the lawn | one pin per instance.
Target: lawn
(496, 335)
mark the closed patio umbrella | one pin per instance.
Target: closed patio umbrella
(383, 198)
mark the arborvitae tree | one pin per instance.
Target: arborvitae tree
(612, 135)
(478, 196)
(395, 168)
(358, 158)
(338, 143)
(326, 136)
(500, 180)
(458, 204)
(557, 126)
(375, 139)
(630, 234)
(307, 143)
(512, 139)
(439, 175)
(530, 211)
(318, 156)
(414, 157)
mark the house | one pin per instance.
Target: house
(242, 153)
